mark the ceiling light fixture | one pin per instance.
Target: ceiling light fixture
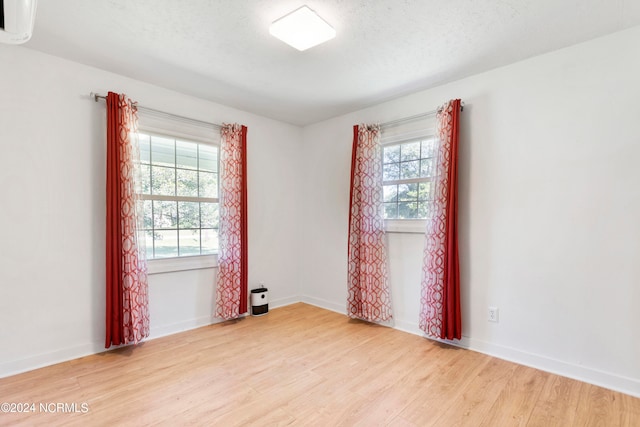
(302, 29)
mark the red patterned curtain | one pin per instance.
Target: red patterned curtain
(127, 311)
(440, 299)
(369, 297)
(232, 286)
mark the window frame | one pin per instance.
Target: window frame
(405, 225)
(186, 262)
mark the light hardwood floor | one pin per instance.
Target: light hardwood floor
(301, 365)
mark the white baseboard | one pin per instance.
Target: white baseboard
(586, 374)
(608, 380)
(409, 327)
(581, 373)
(14, 367)
(199, 322)
(42, 360)
(322, 303)
(31, 363)
(174, 328)
(283, 302)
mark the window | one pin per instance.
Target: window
(180, 196)
(406, 176)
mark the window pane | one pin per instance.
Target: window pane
(145, 179)
(424, 191)
(165, 214)
(189, 242)
(186, 155)
(423, 209)
(391, 154)
(409, 170)
(208, 184)
(189, 215)
(148, 241)
(209, 215)
(147, 214)
(408, 192)
(407, 210)
(172, 168)
(145, 148)
(209, 241)
(426, 168)
(410, 151)
(427, 149)
(390, 172)
(390, 193)
(391, 210)
(208, 158)
(163, 151)
(166, 243)
(187, 184)
(163, 181)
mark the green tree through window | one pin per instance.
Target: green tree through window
(406, 173)
(179, 188)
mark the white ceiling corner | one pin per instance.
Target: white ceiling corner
(222, 51)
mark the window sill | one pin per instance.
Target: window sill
(168, 265)
(409, 226)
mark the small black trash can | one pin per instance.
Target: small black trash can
(259, 301)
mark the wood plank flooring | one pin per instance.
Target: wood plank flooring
(301, 365)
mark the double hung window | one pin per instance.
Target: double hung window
(406, 170)
(179, 190)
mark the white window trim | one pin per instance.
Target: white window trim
(391, 138)
(409, 226)
(160, 132)
(169, 265)
(164, 128)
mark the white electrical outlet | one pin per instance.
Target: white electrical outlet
(493, 314)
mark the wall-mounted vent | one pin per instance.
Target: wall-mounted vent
(16, 20)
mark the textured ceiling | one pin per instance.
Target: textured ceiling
(222, 51)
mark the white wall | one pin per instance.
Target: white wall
(52, 140)
(549, 208)
(549, 211)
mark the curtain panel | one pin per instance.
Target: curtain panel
(127, 305)
(368, 288)
(232, 283)
(440, 297)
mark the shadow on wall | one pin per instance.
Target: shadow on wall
(474, 226)
(98, 160)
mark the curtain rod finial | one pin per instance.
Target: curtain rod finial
(96, 96)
